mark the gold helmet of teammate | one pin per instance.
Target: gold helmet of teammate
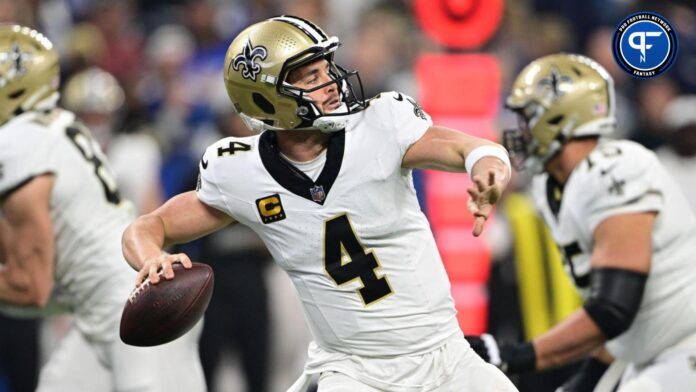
(257, 65)
(29, 70)
(93, 90)
(558, 98)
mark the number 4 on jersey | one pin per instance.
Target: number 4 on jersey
(232, 148)
(341, 243)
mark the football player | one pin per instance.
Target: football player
(327, 185)
(626, 231)
(62, 218)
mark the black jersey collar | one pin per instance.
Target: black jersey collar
(292, 178)
(554, 194)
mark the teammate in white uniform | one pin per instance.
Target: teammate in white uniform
(328, 188)
(61, 227)
(626, 231)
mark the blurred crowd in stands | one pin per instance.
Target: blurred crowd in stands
(146, 77)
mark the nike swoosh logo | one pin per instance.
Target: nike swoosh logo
(204, 164)
(399, 98)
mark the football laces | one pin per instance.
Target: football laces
(141, 287)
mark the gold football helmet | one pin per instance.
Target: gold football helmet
(558, 98)
(29, 70)
(258, 62)
(94, 91)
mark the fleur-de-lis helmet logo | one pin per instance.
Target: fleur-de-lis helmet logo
(247, 60)
(17, 60)
(554, 86)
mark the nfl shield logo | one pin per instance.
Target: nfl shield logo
(318, 194)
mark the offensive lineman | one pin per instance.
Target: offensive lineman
(62, 218)
(626, 231)
(328, 188)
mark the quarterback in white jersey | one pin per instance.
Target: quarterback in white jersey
(352, 237)
(327, 186)
(61, 226)
(624, 227)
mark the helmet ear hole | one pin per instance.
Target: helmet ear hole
(16, 94)
(556, 120)
(263, 103)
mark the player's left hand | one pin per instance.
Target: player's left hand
(483, 194)
(510, 358)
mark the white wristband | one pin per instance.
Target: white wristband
(485, 151)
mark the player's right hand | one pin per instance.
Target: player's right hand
(161, 265)
(483, 194)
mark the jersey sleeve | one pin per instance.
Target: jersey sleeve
(629, 184)
(407, 119)
(25, 154)
(208, 189)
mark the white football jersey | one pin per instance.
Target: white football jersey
(87, 213)
(355, 243)
(622, 177)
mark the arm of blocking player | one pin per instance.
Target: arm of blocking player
(620, 263)
(577, 336)
(182, 218)
(486, 162)
(28, 245)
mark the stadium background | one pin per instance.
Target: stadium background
(166, 102)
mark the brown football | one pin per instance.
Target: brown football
(158, 314)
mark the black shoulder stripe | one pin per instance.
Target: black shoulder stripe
(649, 192)
(25, 181)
